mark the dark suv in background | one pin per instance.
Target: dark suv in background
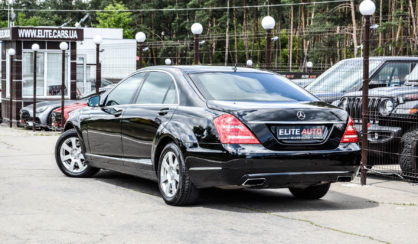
(393, 116)
(347, 76)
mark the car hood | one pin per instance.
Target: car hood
(53, 103)
(71, 107)
(387, 92)
(329, 97)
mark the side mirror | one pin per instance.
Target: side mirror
(94, 101)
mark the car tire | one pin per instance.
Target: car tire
(70, 158)
(173, 178)
(311, 192)
(409, 152)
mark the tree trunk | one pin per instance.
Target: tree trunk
(304, 42)
(210, 38)
(213, 42)
(245, 33)
(380, 22)
(398, 33)
(393, 29)
(414, 26)
(291, 39)
(227, 35)
(235, 36)
(353, 19)
(338, 44)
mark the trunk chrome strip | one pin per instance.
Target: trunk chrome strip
(299, 173)
(296, 122)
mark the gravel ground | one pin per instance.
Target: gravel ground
(38, 204)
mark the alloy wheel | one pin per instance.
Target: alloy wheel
(71, 156)
(170, 174)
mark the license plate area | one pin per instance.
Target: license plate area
(301, 134)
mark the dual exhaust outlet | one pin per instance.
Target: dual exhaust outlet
(260, 182)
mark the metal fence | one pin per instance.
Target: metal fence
(392, 109)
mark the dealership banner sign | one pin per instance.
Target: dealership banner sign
(44, 33)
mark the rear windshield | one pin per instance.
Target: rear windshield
(245, 86)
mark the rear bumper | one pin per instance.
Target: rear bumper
(255, 166)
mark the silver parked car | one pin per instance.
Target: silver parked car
(44, 111)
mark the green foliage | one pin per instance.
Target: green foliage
(168, 32)
(116, 19)
(22, 20)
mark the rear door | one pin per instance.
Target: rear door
(152, 107)
(104, 124)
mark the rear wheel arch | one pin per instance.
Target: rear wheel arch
(163, 141)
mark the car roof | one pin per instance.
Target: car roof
(388, 58)
(204, 68)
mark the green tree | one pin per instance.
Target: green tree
(116, 19)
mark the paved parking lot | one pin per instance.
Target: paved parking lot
(38, 204)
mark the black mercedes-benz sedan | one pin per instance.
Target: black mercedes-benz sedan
(194, 127)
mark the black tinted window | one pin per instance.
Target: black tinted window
(123, 93)
(245, 86)
(393, 74)
(158, 88)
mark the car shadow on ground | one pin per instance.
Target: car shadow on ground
(246, 200)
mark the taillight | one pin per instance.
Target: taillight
(350, 134)
(232, 131)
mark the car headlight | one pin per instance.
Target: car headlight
(386, 107)
(40, 109)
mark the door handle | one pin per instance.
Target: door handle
(163, 111)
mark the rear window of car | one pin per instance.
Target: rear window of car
(248, 86)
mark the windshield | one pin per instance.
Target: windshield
(413, 76)
(245, 86)
(342, 77)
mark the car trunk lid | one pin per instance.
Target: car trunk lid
(289, 125)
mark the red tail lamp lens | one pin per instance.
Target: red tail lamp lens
(232, 131)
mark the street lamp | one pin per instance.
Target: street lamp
(167, 61)
(35, 49)
(309, 65)
(140, 37)
(367, 9)
(63, 47)
(11, 52)
(249, 63)
(197, 29)
(98, 40)
(268, 24)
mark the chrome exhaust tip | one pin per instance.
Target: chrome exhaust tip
(254, 182)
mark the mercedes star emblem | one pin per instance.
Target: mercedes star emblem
(301, 115)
